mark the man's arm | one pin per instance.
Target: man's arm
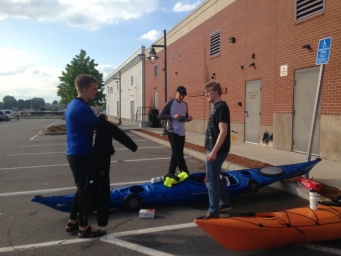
(189, 118)
(165, 111)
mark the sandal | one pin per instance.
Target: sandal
(71, 227)
(89, 233)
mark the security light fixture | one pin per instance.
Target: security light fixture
(306, 46)
(232, 39)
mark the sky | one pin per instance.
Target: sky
(38, 38)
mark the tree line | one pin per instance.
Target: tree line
(10, 102)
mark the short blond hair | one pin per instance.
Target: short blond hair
(215, 86)
(84, 81)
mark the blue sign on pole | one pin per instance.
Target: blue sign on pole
(323, 51)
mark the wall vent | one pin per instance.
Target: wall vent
(215, 44)
(308, 8)
(156, 70)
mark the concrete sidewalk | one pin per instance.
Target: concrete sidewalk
(326, 172)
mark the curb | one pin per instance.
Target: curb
(42, 133)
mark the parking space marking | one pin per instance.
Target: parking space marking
(137, 247)
(63, 152)
(60, 165)
(109, 238)
(33, 137)
(320, 248)
(46, 191)
(30, 167)
(54, 137)
(23, 146)
(54, 122)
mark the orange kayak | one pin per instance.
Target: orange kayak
(257, 231)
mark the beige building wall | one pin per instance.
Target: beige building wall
(131, 81)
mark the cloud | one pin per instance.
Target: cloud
(23, 79)
(105, 70)
(151, 35)
(183, 7)
(9, 61)
(90, 14)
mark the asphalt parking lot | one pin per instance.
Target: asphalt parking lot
(36, 165)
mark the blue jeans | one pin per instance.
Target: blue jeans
(217, 193)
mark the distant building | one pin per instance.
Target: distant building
(130, 77)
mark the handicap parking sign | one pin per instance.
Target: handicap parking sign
(323, 51)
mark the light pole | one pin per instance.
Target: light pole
(119, 93)
(153, 57)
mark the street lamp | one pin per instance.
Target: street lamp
(119, 93)
(153, 57)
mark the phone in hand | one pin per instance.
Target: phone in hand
(183, 119)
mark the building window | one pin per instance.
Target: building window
(215, 44)
(179, 55)
(308, 8)
(173, 57)
(156, 70)
(132, 80)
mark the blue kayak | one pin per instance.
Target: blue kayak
(191, 190)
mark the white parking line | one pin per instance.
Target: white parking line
(30, 167)
(109, 238)
(320, 248)
(137, 248)
(59, 165)
(53, 137)
(54, 123)
(23, 146)
(33, 137)
(46, 191)
(63, 152)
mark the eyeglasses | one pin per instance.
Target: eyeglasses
(205, 93)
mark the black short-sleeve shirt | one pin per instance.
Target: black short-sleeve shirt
(220, 113)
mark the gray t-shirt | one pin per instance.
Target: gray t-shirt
(173, 107)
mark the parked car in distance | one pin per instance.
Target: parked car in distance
(9, 113)
(3, 117)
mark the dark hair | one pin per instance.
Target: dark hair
(215, 86)
(84, 81)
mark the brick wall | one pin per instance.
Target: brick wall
(266, 28)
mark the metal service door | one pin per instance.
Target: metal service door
(304, 102)
(252, 111)
(132, 115)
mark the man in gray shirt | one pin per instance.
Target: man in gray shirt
(175, 112)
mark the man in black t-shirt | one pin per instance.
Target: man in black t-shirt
(217, 144)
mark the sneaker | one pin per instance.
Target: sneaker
(225, 206)
(208, 216)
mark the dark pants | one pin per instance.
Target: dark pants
(177, 143)
(79, 165)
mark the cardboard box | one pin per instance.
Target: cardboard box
(147, 213)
